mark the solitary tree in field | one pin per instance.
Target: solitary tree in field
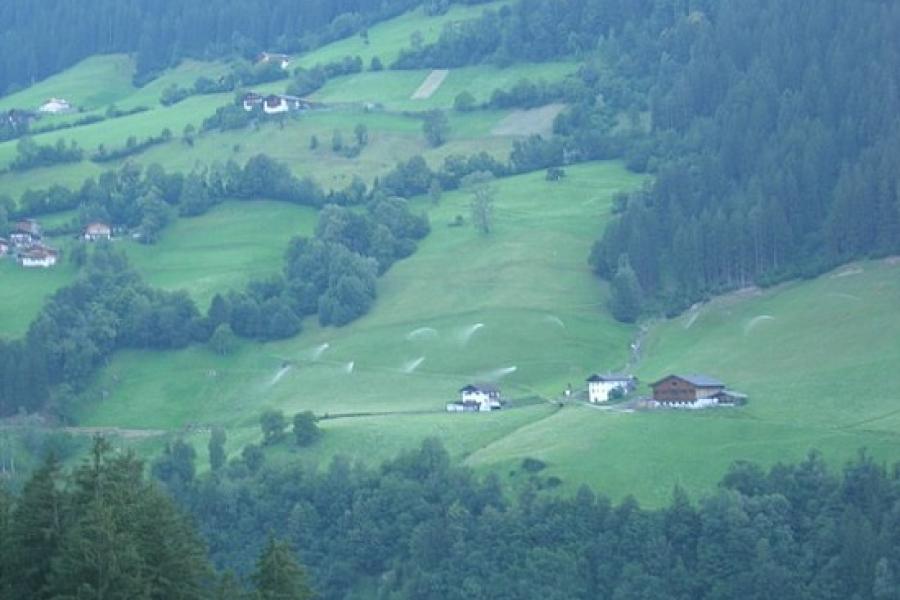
(306, 430)
(273, 424)
(482, 200)
(223, 340)
(217, 449)
(436, 127)
(362, 134)
(464, 102)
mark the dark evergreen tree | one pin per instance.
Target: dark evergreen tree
(278, 576)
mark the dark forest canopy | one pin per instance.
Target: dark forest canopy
(419, 527)
(39, 39)
(775, 140)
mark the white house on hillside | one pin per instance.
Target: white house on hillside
(601, 386)
(39, 257)
(282, 60)
(97, 231)
(482, 397)
(55, 105)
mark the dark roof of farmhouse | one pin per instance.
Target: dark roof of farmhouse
(610, 377)
(694, 379)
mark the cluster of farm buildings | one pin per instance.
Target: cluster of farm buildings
(25, 242)
(275, 104)
(672, 391)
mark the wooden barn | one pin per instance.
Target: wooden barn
(686, 389)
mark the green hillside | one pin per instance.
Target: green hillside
(519, 307)
(395, 89)
(542, 326)
(816, 358)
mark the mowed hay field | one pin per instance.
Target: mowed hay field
(395, 89)
(818, 359)
(223, 249)
(23, 291)
(519, 306)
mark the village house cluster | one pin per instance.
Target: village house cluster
(26, 244)
(275, 104)
(672, 391)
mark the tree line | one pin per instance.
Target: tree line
(104, 530)
(420, 527)
(37, 41)
(332, 275)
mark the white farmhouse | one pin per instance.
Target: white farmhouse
(274, 105)
(282, 60)
(55, 106)
(601, 386)
(39, 257)
(97, 231)
(482, 397)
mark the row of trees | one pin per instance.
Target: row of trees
(31, 155)
(332, 275)
(107, 308)
(419, 527)
(105, 531)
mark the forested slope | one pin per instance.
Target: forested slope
(775, 140)
(37, 40)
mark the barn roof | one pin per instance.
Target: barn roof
(489, 388)
(694, 379)
(610, 377)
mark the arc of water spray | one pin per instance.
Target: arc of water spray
(413, 365)
(422, 332)
(469, 332)
(320, 350)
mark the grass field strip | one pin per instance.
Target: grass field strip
(430, 85)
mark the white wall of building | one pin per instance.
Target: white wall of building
(599, 391)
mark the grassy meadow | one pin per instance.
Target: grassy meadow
(519, 307)
(542, 326)
(223, 249)
(394, 89)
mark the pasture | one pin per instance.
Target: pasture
(23, 291)
(223, 249)
(519, 306)
(816, 357)
(395, 89)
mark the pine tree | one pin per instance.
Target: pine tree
(35, 532)
(278, 576)
(5, 548)
(217, 449)
(625, 303)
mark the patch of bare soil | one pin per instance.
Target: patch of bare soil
(535, 121)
